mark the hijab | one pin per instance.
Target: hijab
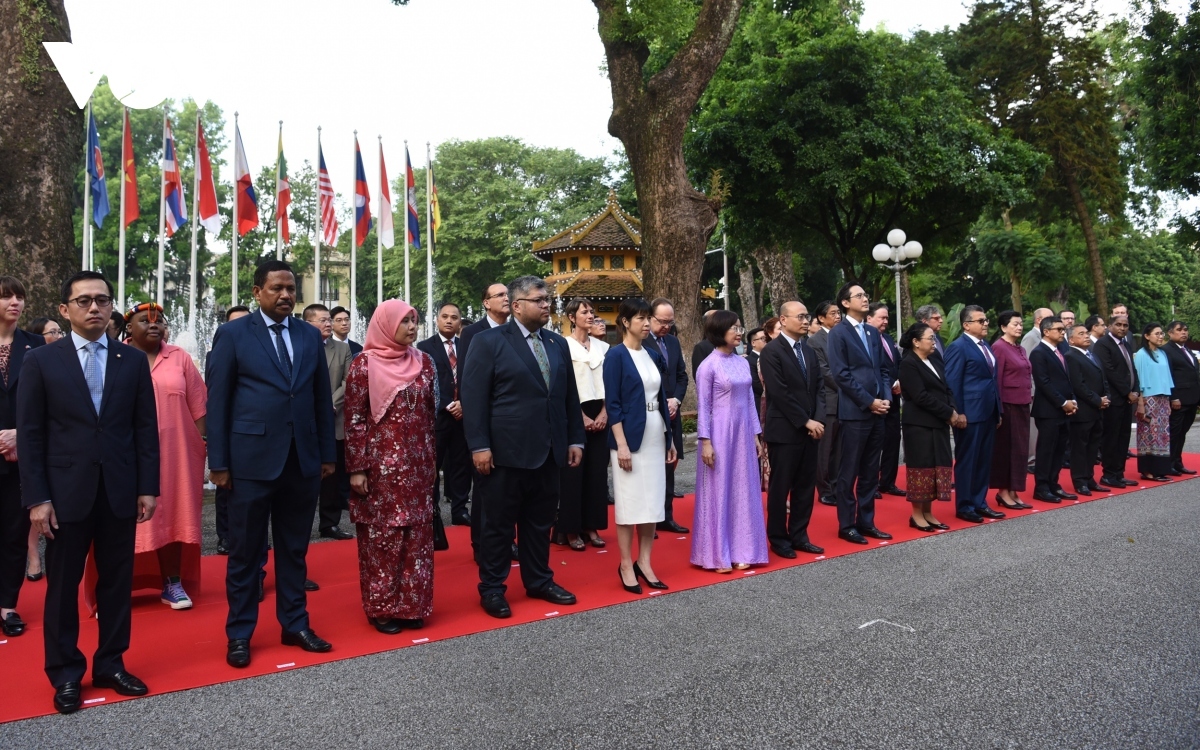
(391, 366)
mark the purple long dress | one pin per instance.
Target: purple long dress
(728, 525)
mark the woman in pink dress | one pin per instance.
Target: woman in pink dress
(168, 545)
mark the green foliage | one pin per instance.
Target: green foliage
(1020, 255)
(952, 323)
(32, 18)
(1157, 276)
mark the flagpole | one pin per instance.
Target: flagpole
(354, 243)
(320, 226)
(428, 237)
(162, 213)
(121, 227)
(233, 292)
(404, 230)
(87, 187)
(278, 224)
(379, 234)
(195, 228)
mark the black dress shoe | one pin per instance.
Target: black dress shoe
(878, 495)
(1174, 473)
(826, 500)
(809, 547)
(1046, 496)
(496, 605)
(636, 588)
(912, 522)
(516, 553)
(311, 585)
(785, 552)
(1155, 478)
(852, 536)
(552, 593)
(67, 698)
(969, 515)
(1184, 470)
(1003, 504)
(637, 572)
(222, 546)
(987, 512)
(415, 623)
(336, 533)
(237, 654)
(12, 624)
(307, 640)
(1097, 488)
(894, 490)
(874, 533)
(1128, 482)
(1065, 495)
(672, 527)
(122, 682)
(1083, 491)
(461, 520)
(1113, 482)
(937, 525)
(385, 625)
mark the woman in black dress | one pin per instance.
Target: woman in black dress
(929, 413)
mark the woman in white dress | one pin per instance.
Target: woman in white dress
(639, 442)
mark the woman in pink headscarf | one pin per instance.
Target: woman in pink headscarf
(391, 404)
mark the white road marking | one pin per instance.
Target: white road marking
(886, 622)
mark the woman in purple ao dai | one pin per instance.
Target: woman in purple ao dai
(728, 526)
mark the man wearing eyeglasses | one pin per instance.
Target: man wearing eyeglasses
(1053, 404)
(87, 434)
(675, 385)
(931, 315)
(971, 375)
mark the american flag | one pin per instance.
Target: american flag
(329, 225)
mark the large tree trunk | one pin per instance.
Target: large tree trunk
(780, 275)
(747, 294)
(649, 117)
(41, 145)
(1089, 238)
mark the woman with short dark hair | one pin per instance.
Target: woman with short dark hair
(1154, 405)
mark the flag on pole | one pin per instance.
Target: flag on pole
(209, 217)
(246, 208)
(329, 224)
(283, 193)
(435, 223)
(387, 230)
(414, 228)
(176, 214)
(129, 174)
(95, 170)
(362, 197)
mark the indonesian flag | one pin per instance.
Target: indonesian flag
(209, 217)
(387, 231)
(176, 205)
(129, 175)
(362, 198)
(283, 194)
(246, 202)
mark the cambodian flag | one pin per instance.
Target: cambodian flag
(362, 198)
(246, 209)
(175, 213)
(95, 170)
(414, 228)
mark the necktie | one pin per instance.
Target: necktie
(888, 351)
(539, 354)
(92, 374)
(453, 365)
(1062, 361)
(862, 334)
(1092, 357)
(662, 348)
(1125, 354)
(799, 347)
(988, 356)
(281, 349)
(1187, 354)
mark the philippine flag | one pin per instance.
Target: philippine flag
(362, 198)
(246, 209)
(175, 204)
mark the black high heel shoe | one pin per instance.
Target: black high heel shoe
(937, 524)
(635, 588)
(1001, 502)
(913, 523)
(637, 572)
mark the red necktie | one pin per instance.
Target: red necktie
(453, 365)
(1061, 361)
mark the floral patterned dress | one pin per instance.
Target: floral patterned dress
(395, 519)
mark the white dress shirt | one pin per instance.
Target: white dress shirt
(287, 335)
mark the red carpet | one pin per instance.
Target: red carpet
(181, 650)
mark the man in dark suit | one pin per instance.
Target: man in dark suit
(857, 362)
(453, 459)
(829, 449)
(889, 461)
(792, 428)
(87, 437)
(1053, 404)
(341, 332)
(1185, 395)
(221, 498)
(971, 374)
(1091, 396)
(1123, 388)
(523, 424)
(675, 385)
(270, 442)
(337, 358)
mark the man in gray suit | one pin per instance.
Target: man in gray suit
(337, 357)
(828, 449)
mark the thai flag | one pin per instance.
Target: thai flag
(414, 228)
(246, 209)
(175, 204)
(362, 198)
(95, 169)
(387, 229)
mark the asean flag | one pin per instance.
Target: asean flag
(362, 199)
(246, 209)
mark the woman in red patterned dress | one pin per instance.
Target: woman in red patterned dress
(391, 404)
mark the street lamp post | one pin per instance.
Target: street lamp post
(892, 256)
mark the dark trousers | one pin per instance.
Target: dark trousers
(221, 501)
(676, 425)
(112, 539)
(829, 455)
(1053, 435)
(527, 499)
(14, 537)
(1181, 421)
(889, 460)
(453, 462)
(973, 465)
(794, 475)
(331, 503)
(287, 504)
(1085, 441)
(583, 489)
(1114, 442)
(858, 474)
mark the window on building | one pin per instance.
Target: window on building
(329, 289)
(575, 263)
(562, 265)
(597, 262)
(639, 263)
(617, 261)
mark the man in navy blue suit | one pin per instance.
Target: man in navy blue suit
(675, 385)
(1054, 404)
(523, 424)
(889, 462)
(859, 368)
(971, 375)
(444, 348)
(270, 442)
(87, 436)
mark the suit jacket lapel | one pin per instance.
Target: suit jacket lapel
(70, 360)
(299, 349)
(513, 333)
(111, 368)
(16, 354)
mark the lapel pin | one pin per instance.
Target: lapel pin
(118, 355)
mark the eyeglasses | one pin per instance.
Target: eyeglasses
(498, 295)
(861, 295)
(738, 330)
(101, 300)
(1061, 329)
(539, 301)
(662, 322)
(802, 317)
(984, 321)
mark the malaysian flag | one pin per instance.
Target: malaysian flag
(329, 225)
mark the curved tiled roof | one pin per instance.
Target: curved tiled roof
(609, 229)
(601, 285)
